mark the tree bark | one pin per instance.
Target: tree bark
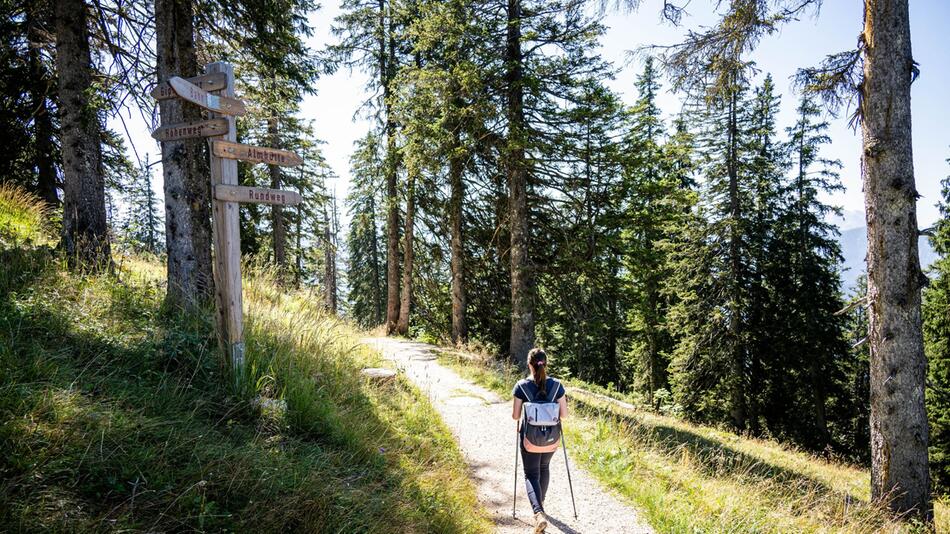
(522, 280)
(899, 433)
(387, 57)
(374, 265)
(277, 212)
(184, 164)
(329, 258)
(85, 232)
(43, 133)
(405, 300)
(457, 262)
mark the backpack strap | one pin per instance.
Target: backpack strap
(554, 389)
(525, 393)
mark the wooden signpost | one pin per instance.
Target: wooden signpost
(240, 193)
(213, 81)
(196, 95)
(186, 130)
(214, 91)
(253, 154)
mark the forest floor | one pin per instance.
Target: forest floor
(481, 422)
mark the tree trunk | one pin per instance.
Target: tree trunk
(899, 432)
(522, 283)
(45, 148)
(298, 271)
(329, 257)
(374, 265)
(405, 300)
(184, 165)
(737, 401)
(277, 212)
(457, 263)
(386, 73)
(85, 232)
(150, 198)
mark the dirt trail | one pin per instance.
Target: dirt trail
(488, 444)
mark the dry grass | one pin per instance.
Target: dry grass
(24, 217)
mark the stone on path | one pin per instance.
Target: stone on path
(378, 374)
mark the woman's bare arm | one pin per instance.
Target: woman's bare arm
(516, 409)
(562, 402)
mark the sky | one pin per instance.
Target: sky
(799, 44)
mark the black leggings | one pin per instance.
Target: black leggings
(536, 476)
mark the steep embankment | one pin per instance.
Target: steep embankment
(690, 478)
(116, 415)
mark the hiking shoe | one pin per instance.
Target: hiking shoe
(540, 523)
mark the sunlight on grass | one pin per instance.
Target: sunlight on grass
(120, 415)
(24, 217)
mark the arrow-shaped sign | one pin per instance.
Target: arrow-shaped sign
(254, 154)
(255, 195)
(212, 81)
(194, 94)
(187, 130)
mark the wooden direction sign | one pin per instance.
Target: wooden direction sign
(194, 94)
(255, 195)
(191, 129)
(213, 81)
(271, 156)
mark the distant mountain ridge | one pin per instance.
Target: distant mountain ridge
(854, 246)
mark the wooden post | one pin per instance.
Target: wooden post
(214, 91)
(226, 231)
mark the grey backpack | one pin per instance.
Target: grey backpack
(541, 423)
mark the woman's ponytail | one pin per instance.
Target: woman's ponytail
(538, 361)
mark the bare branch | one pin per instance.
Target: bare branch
(836, 81)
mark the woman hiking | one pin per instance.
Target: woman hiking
(537, 388)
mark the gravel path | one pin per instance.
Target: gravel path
(488, 445)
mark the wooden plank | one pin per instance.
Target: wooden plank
(255, 195)
(190, 129)
(213, 81)
(254, 154)
(217, 103)
(226, 232)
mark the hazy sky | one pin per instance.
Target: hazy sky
(799, 44)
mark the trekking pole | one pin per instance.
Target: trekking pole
(514, 501)
(568, 467)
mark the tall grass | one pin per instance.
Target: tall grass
(116, 414)
(24, 217)
(690, 478)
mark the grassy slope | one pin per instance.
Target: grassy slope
(689, 478)
(115, 415)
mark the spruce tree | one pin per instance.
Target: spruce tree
(653, 202)
(368, 31)
(144, 223)
(937, 332)
(808, 285)
(85, 232)
(712, 269)
(184, 164)
(366, 258)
